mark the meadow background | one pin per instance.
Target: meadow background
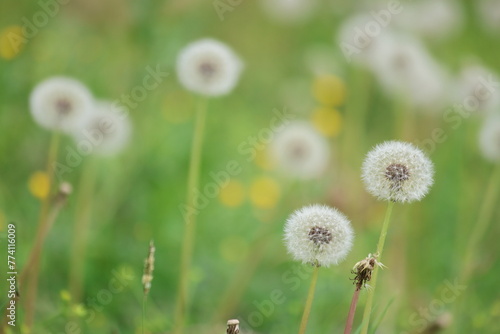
(109, 44)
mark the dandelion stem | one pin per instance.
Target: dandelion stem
(310, 298)
(380, 248)
(32, 265)
(484, 219)
(352, 310)
(190, 218)
(81, 229)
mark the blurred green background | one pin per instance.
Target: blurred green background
(108, 44)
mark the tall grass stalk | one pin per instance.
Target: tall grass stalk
(380, 248)
(81, 229)
(190, 222)
(309, 301)
(32, 265)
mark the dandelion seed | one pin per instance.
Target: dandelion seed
(208, 67)
(398, 172)
(318, 235)
(107, 128)
(61, 104)
(233, 326)
(300, 151)
(489, 138)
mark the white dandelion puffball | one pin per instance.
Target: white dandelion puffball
(290, 11)
(397, 171)
(106, 131)
(318, 235)
(489, 138)
(60, 103)
(300, 151)
(208, 67)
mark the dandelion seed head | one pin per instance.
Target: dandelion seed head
(208, 67)
(489, 138)
(397, 171)
(60, 103)
(107, 128)
(318, 234)
(300, 151)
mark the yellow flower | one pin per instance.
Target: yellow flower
(264, 192)
(329, 90)
(12, 41)
(233, 194)
(39, 185)
(327, 121)
(65, 295)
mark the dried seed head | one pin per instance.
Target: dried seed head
(363, 270)
(233, 326)
(149, 265)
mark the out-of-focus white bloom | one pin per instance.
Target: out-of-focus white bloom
(489, 14)
(290, 11)
(397, 171)
(60, 103)
(300, 151)
(404, 67)
(318, 235)
(208, 67)
(476, 89)
(436, 19)
(107, 130)
(355, 43)
(489, 138)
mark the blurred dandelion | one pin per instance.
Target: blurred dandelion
(435, 19)
(489, 14)
(300, 151)
(290, 11)
(265, 192)
(61, 104)
(489, 138)
(107, 127)
(329, 90)
(327, 121)
(208, 67)
(320, 236)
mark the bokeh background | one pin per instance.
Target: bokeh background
(239, 257)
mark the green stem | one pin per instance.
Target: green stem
(190, 218)
(482, 224)
(144, 311)
(32, 265)
(81, 230)
(310, 298)
(373, 281)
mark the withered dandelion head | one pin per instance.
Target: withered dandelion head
(398, 172)
(208, 67)
(318, 235)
